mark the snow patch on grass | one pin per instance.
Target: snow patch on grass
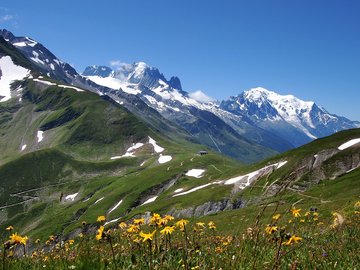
(116, 157)
(150, 200)
(197, 173)
(111, 221)
(163, 159)
(157, 148)
(40, 135)
(44, 82)
(116, 206)
(71, 197)
(98, 200)
(130, 151)
(71, 87)
(349, 144)
(143, 163)
(197, 188)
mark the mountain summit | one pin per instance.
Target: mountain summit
(285, 115)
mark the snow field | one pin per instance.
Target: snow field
(9, 73)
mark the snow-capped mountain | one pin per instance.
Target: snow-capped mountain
(206, 122)
(293, 119)
(41, 57)
(280, 122)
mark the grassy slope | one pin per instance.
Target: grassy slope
(328, 196)
(131, 181)
(81, 132)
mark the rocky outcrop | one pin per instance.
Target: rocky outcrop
(326, 164)
(207, 208)
(155, 190)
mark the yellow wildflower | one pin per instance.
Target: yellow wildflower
(307, 214)
(296, 212)
(168, 230)
(137, 240)
(147, 236)
(37, 241)
(276, 217)
(357, 204)
(18, 239)
(155, 219)
(139, 221)
(100, 232)
(83, 223)
(302, 220)
(122, 225)
(212, 225)
(181, 224)
(271, 229)
(293, 239)
(71, 241)
(315, 214)
(165, 220)
(101, 219)
(168, 217)
(10, 228)
(133, 228)
(200, 224)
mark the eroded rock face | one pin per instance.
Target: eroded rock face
(156, 190)
(322, 156)
(207, 208)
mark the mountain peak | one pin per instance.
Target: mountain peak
(258, 91)
(101, 71)
(6, 34)
(174, 82)
(260, 95)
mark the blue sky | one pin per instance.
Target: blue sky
(307, 48)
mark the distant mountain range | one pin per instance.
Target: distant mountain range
(251, 126)
(262, 116)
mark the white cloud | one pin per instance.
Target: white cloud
(6, 18)
(201, 96)
(116, 64)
